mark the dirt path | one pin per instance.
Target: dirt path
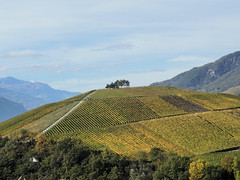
(84, 99)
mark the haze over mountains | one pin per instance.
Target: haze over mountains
(223, 75)
(9, 109)
(31, 94)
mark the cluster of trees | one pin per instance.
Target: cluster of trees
(66, 159)
(70, 159)
(119, 83)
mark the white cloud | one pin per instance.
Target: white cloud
(47, 68)
(22, 53)
(146, 78)
(3, 68)
(136, 79)
(115, 47)
(72, 36)
(190, 58)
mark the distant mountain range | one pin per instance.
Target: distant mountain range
(223, 75)
(31, 94)
(9, 109)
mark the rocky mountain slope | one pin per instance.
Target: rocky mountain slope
(218, 76)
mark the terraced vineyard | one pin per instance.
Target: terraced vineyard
(39, 118)
(120, 110)
(184, 104)
(161, 107)
(214, 101)
(186, 134)
(139, 91)
(129, 120)
(104, 113)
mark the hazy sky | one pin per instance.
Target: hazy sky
(79, 45)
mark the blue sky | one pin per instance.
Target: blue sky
(79, 45)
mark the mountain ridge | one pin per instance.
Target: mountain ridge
(217, 76)
(31, 94)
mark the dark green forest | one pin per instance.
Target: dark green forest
(42, 158)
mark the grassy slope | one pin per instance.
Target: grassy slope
(139, 91)
(135, 119)
(186, 134)
(234, 90)
(39, 118)
(216, 158)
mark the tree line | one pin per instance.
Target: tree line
(44, 158)
(118, 84)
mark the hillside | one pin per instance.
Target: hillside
(218, 76)
(129, 120)
(234, 90)
(31, 94)
(9, 109)
(40, 118)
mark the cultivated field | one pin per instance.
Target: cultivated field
(130, 120)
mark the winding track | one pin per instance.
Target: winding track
(61, 118)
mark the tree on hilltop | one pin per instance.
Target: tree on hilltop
(118, 84)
